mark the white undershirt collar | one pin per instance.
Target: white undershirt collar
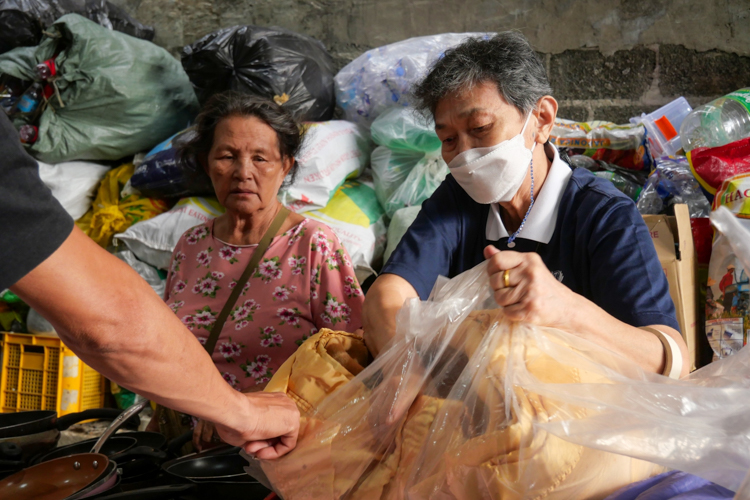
(540, 224)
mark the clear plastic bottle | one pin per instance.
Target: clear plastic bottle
(719, 122)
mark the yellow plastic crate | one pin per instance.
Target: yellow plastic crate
(40, 373)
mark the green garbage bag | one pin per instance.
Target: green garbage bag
(120, 94)
(407, 165)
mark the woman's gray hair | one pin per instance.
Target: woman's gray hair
(233, 103)
(506, 59)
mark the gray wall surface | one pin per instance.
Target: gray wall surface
(606, 59)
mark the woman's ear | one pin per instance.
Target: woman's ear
(287, 164)
(546, 118)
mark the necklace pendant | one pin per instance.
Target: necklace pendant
(511, 244)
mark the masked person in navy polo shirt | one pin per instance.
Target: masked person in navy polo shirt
(565, 249)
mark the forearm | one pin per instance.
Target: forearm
(593, 323)
(384, 299)
(117, 325)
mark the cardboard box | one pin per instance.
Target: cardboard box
(673, 239)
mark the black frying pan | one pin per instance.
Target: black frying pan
(39, 421)
(217, 474)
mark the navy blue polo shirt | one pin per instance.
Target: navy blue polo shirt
(600, 248)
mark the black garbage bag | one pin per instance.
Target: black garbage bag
(165, 174)
(22, 21)
(294, 70)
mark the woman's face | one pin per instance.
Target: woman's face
(479, 117)
(245, 165)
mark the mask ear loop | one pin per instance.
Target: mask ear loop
(528, 117)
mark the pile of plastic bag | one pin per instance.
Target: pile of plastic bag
(294, 70)
(23, 21)
(111, 96)
(382, 78)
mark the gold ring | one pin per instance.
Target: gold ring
(506, 278)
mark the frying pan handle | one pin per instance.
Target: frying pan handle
(174, 445)
(99, 413)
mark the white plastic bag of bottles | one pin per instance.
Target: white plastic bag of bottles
(382, 78)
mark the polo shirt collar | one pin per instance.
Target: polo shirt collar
(540, 225)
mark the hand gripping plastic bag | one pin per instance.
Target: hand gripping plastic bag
(112, 213)
(407, 166)
(120, 95)
(23, 21)
(382, 78)
(332, 152)
(294, 70)
(468, 380)
(699, 424)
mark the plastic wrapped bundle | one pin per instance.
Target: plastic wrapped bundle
(451, 409)
(622, 145)
(294, 70)
(670, 183)
(382, 78)
(332, 153)
(407, 166)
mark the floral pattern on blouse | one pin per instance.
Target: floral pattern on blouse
(304, 282)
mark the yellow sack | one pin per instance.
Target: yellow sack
(110, 214)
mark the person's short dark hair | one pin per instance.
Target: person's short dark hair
(233, 103)
(506, 59)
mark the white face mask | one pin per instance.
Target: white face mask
(493, 174)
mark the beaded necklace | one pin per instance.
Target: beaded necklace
(512, 238)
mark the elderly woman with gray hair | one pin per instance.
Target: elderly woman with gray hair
(565, 249)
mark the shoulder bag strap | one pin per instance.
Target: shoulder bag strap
(249, 270)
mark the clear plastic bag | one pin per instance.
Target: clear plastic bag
(699, 424)
(407, 165)
(471, 383)
(382, 78)
(670, 183)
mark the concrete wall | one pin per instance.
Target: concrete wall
(606, 59)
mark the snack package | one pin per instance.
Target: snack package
(728, 285)
(332, 152)
(712, 166)
(622, 145)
